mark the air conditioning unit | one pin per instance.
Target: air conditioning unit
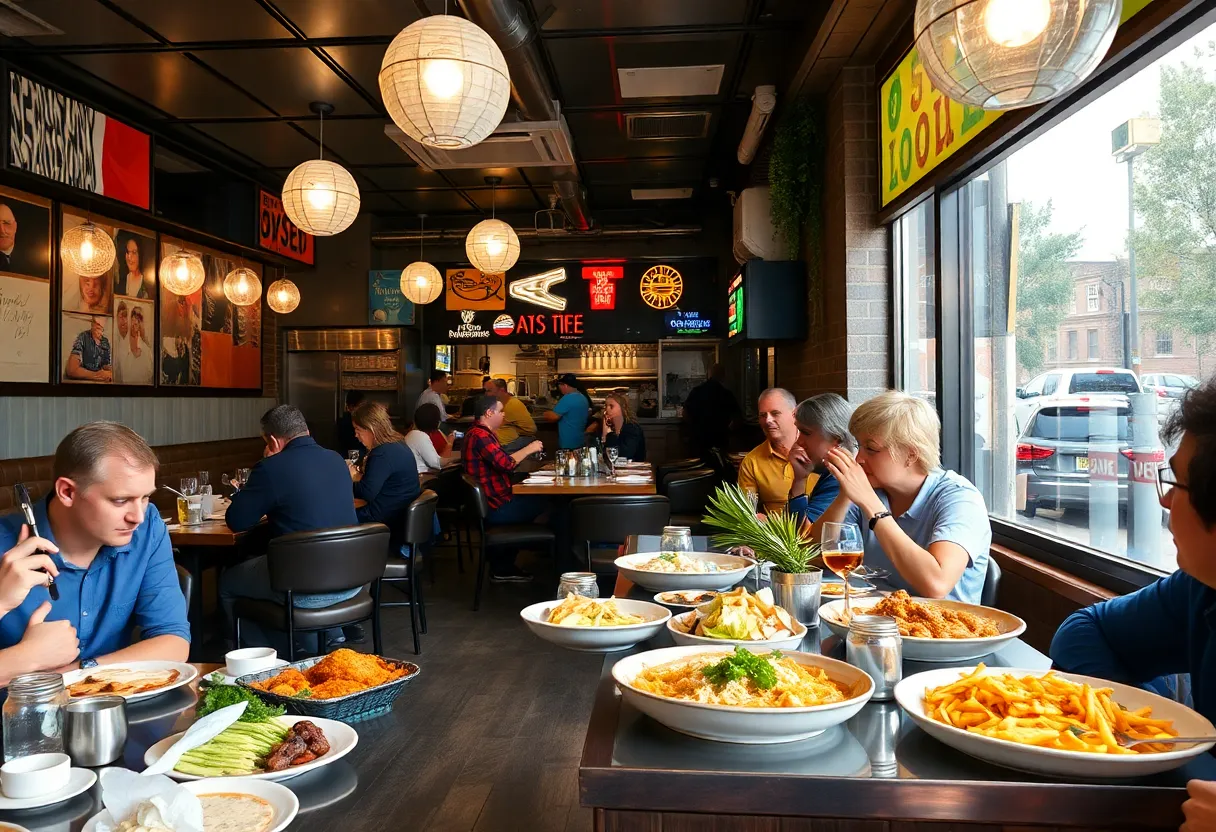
(755, 236)
(517, 144)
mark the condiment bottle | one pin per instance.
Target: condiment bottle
(873, 645)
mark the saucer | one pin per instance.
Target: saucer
(227, 678)
(80, 780)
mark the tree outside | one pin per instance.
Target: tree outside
(1045, 283)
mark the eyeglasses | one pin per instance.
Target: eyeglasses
(1167, 481)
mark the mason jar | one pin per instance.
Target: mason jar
(676, 539)
(578, 583)
(33, 715)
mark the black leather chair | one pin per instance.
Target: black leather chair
(186, 581)
(326, 560)
(689, 492)
(992, 583)
(419, 525)
(450, 491)
(598, 525)
(677, 465)
(516, 535)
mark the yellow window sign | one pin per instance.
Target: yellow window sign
(921, 127)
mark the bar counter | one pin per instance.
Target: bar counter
(878, 772)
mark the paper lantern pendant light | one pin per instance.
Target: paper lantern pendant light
(182, 273)
(445, 82)
(420, 281)
(242, 287)
(492, 245)
(321, 197)
(87, 250)
(1004, 54)
(283, 296)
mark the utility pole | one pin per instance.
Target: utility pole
(1129, 140)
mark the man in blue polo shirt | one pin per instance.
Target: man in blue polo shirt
(112, 555)
(570, 413)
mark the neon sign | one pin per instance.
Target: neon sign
(602, 285)
(536, 289)
(661, 287)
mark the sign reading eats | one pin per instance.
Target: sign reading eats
(279, 234)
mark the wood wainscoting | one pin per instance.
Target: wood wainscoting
(1041, 595)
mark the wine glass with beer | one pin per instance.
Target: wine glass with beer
(842, 553)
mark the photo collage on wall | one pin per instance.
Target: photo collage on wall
(25, 287)
(107, 322)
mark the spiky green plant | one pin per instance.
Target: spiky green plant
(777, 540)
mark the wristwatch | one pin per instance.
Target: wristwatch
(877, 517)
(85, 664)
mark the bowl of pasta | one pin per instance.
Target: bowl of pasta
(731, 694)
(1053, 723)
(592, 625)
(663, 571)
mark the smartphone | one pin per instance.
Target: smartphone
(27, 508)
(458, 434)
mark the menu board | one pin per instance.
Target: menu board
(734, 307)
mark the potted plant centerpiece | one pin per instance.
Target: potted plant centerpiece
(776, 540)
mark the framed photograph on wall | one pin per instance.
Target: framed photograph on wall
(181, 322)
(25, 287)
(87, 347)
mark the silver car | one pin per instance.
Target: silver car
(1168, 385)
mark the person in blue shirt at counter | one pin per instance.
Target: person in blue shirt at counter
(928, 526)
(111, 555)
(823, 425)
(570, 413)
(1169, 626)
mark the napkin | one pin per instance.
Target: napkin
(154, 802)
(632, 478)
(204, 730)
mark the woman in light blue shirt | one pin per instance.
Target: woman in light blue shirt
(928, 526)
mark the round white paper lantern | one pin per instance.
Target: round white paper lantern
(283, 296)
(182, 273)
(421, 283)
(242, 286)
(492, 246)
(321, 197)
(87, 250)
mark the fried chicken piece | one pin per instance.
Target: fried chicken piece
(292, 679)
(283, 690)
(919, 620)
(312, 734)
(335, 688)
(348, 665)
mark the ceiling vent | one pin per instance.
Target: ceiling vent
(653, 126)
(16, 22)
(670, 81)
(518, 144)
(661, 193)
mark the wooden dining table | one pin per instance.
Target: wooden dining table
(636, 481)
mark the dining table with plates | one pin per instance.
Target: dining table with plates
(887, 766)
(626, 479)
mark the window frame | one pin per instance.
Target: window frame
(1093, 298)
(1093, 346)
(1157, 351)
(1073, 339)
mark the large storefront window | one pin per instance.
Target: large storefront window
(916, 290)
(1078, 320)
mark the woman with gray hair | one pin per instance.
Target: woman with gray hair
(823, 424)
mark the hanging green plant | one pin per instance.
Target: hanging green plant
(795, 176)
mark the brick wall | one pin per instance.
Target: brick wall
(848, 350)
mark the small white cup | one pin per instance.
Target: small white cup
(35, 775)
(250, 660)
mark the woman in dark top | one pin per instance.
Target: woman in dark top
(389, 481)
(621, 431)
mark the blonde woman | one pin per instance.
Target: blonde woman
(621, 431)
(928, 526)
(389, 480)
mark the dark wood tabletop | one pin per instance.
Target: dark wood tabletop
(212, 532)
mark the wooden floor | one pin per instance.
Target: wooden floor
(489, 735)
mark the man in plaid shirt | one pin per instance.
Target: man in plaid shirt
(485, 460)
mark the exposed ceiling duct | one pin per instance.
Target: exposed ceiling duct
(457, 235)
(508, 23)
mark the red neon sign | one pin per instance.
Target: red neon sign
(603, 285)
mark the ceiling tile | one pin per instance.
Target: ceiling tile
(647, 172)
(83, 22)
(476, 177)
(619, 14)
(380, 203)
(205, 19)
(768, 62)
(433, 202)
(286, 79)
(359, 141)
(601, 135)
(505, 200)
(363, 64)
(273, 144)
(171, 82)
(404, 178)
(351, 18)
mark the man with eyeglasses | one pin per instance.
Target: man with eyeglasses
(1169, 627)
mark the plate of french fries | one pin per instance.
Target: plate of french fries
(1047, 722)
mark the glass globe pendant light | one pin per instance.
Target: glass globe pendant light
(1004, 54)
(242, 286)
(445, 82)
(319, 196)
(182, 272)
(420, 281)
(87, 250)
(283, 296)
(492, 245)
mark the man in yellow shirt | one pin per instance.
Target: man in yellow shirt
(518, 426)
(766, 469)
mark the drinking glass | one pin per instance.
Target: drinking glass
(614, 453)
(243, 475)
(842, 553)
(189, 486)
(204, 480)
(353, 456)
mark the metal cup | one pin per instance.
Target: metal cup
(798, 592)
(95, 730)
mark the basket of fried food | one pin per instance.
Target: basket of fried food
(344, 685)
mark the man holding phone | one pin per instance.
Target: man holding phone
(45, 645)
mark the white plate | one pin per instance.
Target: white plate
(79, 781)
(682, 638)
(728, 723)
(668, 598)
(281, 799)
(342, 739)
(186, 675)
(935, 649)
(910, 694)
(229, 679)
(597, 639)
(733, 569)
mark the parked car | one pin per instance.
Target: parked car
(1072, 381)
(1056, 451)
(1168, 385)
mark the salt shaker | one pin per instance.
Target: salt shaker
(873, 645)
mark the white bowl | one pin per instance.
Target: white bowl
(35, 775)
(597, 639)
(910, 694)
(729, 723)
(733, 569)
(282, 800)
(682, 638)
(935, 649)
(249, 660)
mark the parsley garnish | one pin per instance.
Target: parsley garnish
(743, 663)
(221, 696)
(670, 557)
